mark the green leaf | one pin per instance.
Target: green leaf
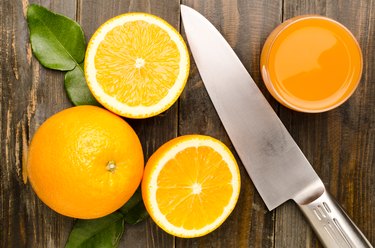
(132, 202)
(136, 214)
(134, 210)
(102, 232)
(77, 89)
(57, 41)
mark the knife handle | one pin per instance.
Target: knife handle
(332, 225)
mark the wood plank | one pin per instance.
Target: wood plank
(245, 24)
(29, 94)
(339, 143)
(153, 132)
(26, 216)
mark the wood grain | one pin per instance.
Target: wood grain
(245, 25)
(153, 132)
(29, 95)
(339, 143)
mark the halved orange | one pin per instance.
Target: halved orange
(136, 65)
(190, 185)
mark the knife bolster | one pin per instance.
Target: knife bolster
(332, 225)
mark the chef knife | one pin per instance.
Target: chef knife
(276, 165)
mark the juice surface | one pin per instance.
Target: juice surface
(314, 63)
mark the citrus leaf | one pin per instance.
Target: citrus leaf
(57, 41)
(132, 202)
(134, 210)
(136, 214)
(77, 89)
(102, 232)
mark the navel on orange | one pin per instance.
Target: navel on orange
(85, 162)
(190, 186)
(136, 65)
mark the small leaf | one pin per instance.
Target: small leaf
(132, 202)
(102, 232)
(136, 214)
(134, 210)
(57, 41)
(77, 89)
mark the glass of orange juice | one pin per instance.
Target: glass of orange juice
(311, 63)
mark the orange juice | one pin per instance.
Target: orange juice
(311, 63)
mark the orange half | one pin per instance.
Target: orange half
(190, 186)
(136, 65)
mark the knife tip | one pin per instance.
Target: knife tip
(184, 8)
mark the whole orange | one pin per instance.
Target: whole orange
(85, 162)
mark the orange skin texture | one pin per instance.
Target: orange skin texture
(68, 162)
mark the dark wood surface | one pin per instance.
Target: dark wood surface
(338, 143)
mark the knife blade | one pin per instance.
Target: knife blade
(273, 160)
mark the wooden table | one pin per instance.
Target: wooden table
(339, 143)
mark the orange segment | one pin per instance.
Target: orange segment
(191, 184)
(136, 65)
